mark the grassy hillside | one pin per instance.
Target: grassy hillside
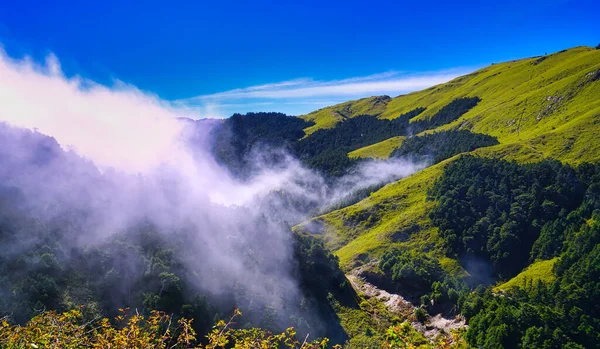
(540, 270)
(444, 236)
(547, 103)
(416, 232)
(541, 107)
(328, 117)
(395, 214)
(381, 150)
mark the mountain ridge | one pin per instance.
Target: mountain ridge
(492, 239)
(534, 148)
(538, 108)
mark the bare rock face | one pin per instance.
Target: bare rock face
(433, 327)
(593, 75)
(436, 325)
(551, 105)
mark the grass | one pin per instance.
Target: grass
(364, 331)
(452, 267)
(538, 271)
(328, 117)
(549, 106)
(394, 215)
(381, 150)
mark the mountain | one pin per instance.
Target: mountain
(537, 109)
(463, 215)
(509, 186)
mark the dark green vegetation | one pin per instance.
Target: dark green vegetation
(564, 314)
(326, 150)
(497, 217)
(495, 210)
(235, 139)
(143, 270)
(439, 146)
(450, 112)
(414, 271)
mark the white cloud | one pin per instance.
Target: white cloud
(304, 94)
(117, 126)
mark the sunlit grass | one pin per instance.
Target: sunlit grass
(381, 150)
(328, 117)
(538, 271)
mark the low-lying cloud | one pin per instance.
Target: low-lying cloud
(121, 126)
(159, 169)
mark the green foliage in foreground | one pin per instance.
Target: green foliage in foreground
(157, 331)
(71, 330)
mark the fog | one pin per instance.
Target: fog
(129, 157)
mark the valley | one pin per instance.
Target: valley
(463, 215)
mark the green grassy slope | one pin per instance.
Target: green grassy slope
(540, 270)
(328, 117)
(395, 214)
(546, 103)
(381, 150)
(537, 108)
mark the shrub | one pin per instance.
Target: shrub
(420, 314)
(157, 331)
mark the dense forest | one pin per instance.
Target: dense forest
(236, 138)
(505, 216)
(439, 146)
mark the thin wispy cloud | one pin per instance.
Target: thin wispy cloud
(303, 95)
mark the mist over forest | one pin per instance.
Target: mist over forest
(463, 215)
(124, 204)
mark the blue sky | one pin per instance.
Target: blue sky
(230, 56)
